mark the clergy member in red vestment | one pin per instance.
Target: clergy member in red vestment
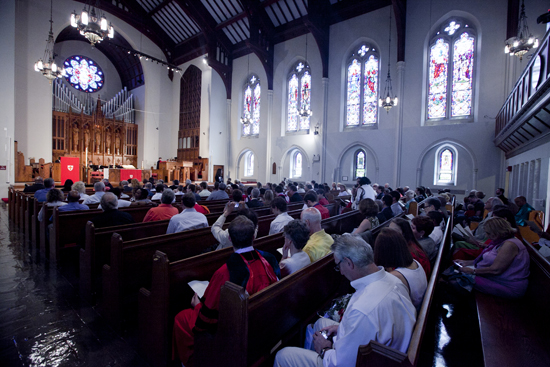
(251, 269)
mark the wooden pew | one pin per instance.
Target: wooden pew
(376, 354)
(67, 227)
(515, 332)
(97, 244)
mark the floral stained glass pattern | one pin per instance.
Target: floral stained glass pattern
(360, 170)
(293, 103)
(370, 103)
(247, 111)
(446, 166)
(463, 63)
(437, 93)
(305, 102)
(353, 100)
(84, 74)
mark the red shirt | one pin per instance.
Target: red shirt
(161, 212)
(323, 201)
(201, 209)
(324, 211)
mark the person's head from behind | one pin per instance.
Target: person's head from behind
(222, 187)
(255, 193)
(432, 204)
(159, 188)
(492, 202)
(311, 198)
(390, 250)
(368, 208)
(167, 196)
(79, 186)
(422, 226)
(268, 196)
(99, 186)
(188, 200)
(237, 196)
(420, 190)
(353, 256)
(109, 202)
(117, 192)
(241, 231)
(312, 217)
(176, 182)
(471, 207)
(73, 196)
(505, 213)
(498, 229)
(68, 184)
(292, 189)
(54, 195)
(39, 180)
(279, 189)
(216, 185)
(49, 183)
(297, 233)
(278, 205)
(403, 226)
(436, 217)
(143, 194)
(387, 200)
(363, 181)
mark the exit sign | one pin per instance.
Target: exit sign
(2, 168)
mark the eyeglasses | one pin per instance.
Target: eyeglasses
(337, 267)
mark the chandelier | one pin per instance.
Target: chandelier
(524, 42)
(388, 101)
(92, 24)
(47, 65)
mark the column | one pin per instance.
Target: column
(399, 128)
(323, 132)
(268, 161)
(229, 140)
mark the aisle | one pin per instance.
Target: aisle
(43, 321)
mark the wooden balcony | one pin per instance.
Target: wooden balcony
(523, 122)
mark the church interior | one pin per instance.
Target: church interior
(411, 93)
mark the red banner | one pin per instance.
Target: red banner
(70, 169)
(129, 174)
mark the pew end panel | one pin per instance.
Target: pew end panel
(376, 354)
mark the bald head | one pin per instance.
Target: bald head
(312, 217)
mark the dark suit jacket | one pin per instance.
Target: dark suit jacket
(254, 203)
(112, 218)
(34, 188)
(296, 198)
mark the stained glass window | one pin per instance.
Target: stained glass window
(251, 106)
(463, 64)
(299, 97)
(437, 95)
(362, 88)
(451, 69)
(445, 166)
(249, 164)
(360, 164)
(296, 164)
(84, 74)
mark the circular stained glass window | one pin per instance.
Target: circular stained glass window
(84, 74)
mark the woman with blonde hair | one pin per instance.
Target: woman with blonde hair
(81, 188)
(135, 184)
(502, 268)
(268, 198)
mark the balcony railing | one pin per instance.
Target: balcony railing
(524, 101)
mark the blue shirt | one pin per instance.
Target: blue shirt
(73, 206)
(40, 195)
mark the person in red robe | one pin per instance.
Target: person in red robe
(251, 269)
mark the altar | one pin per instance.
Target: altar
(115, 175)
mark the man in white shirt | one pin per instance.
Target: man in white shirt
(221, 235)
(204, 190)
(120, 203)
(379, 310)
(279, 207)
(99, 188)
(189, 218)
(365, 191)
(158, 192)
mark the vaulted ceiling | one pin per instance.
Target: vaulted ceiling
(227, 29)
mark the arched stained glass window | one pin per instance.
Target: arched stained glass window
(450, 71)
(299, 97)
(248, 164)
(296, 164)
(445, 166)
(83, 74)
(251, 106)
(362, 88)
(360, 164)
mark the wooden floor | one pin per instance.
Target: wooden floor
(44, 322)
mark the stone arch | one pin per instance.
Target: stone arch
(286, 157)
(353, 147)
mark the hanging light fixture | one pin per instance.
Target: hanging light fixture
(246, 119)
(305, 111)
(47, 65)
(524, 41)
(388, 101)
(92, 24)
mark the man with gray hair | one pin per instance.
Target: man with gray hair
(218, 194)
(38, 185)
(379, 310)
(255, 202)
(99, 188)
(111, 216)
(319, 241)
(165, 210)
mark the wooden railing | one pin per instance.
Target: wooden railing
(534, 81)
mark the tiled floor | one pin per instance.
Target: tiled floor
(44, 322)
